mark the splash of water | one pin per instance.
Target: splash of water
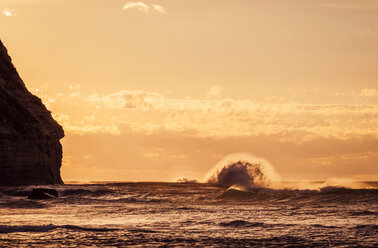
(244, 171)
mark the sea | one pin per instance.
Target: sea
(221, 212)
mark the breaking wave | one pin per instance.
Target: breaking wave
(243, 171)
(47, 228)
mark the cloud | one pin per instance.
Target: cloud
(75, 94)
(164, 154)
(85, 128)
(137, 5)
(142, 100)
(147, 112)
(158, 8)
(143, 7)
(87, 125)
(342, 158)
(9, 13)
(369, 93)
(227, 117)
(74, 87)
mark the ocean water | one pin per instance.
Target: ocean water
(191, 214)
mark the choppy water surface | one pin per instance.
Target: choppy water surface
(189, 214)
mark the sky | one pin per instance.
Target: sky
(161, 90)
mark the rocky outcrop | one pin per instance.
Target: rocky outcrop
(30, 149)
(41, 193)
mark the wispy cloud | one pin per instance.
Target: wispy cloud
(9, 13)
(147, 112)
(143, 7)
(137, 5)
(142, 100)
(369, 93)
(158, 8)
(341, 158)
(85, 125)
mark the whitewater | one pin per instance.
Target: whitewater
(241, 202)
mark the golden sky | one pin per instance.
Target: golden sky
(159, 90)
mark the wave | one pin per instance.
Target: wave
(323, 226)
(368, 227)
(97, 192)
(21, 203)
(363, 213)
(330, 195)
(241, 223)
(142, 230)
(244, 171)
(138, 199)
(47, 228)
(248, 224)
(62, 189)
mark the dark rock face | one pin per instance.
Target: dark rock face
(30, 150)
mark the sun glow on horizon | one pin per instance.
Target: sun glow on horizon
(160, 90)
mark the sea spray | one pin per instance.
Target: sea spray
(244, 171)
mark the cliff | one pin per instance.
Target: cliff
(30, 149)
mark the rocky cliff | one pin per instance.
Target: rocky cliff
(30, 150)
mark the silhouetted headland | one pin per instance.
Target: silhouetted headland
(30, 149)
